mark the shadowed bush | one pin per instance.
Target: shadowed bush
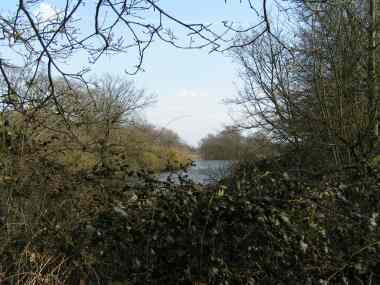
(264, 228)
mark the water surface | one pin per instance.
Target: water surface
(203, 171)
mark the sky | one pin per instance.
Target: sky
(190, 85)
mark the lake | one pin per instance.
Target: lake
(203, 171)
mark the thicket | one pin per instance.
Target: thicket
(259, 227)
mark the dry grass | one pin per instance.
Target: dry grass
(35, 268)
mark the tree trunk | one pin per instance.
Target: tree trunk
(372, 84)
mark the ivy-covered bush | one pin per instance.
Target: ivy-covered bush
(259, 228)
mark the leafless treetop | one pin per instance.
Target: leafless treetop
(38, 42)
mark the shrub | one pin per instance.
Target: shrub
(264, 228)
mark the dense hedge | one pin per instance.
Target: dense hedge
(259, 228)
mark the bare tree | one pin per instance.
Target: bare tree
(319, 90)
(44, 43)
(112, 104)
(266, 100)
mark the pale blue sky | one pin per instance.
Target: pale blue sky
(190, 84)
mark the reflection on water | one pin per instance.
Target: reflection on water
(203, 171)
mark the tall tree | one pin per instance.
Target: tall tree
(320, 92)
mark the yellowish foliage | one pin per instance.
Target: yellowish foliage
(77, 160)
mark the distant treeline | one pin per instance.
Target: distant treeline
(231, 144)
(97, 129)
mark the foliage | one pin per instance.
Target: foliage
(100, 127)
(263, 227)
(231, 144)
